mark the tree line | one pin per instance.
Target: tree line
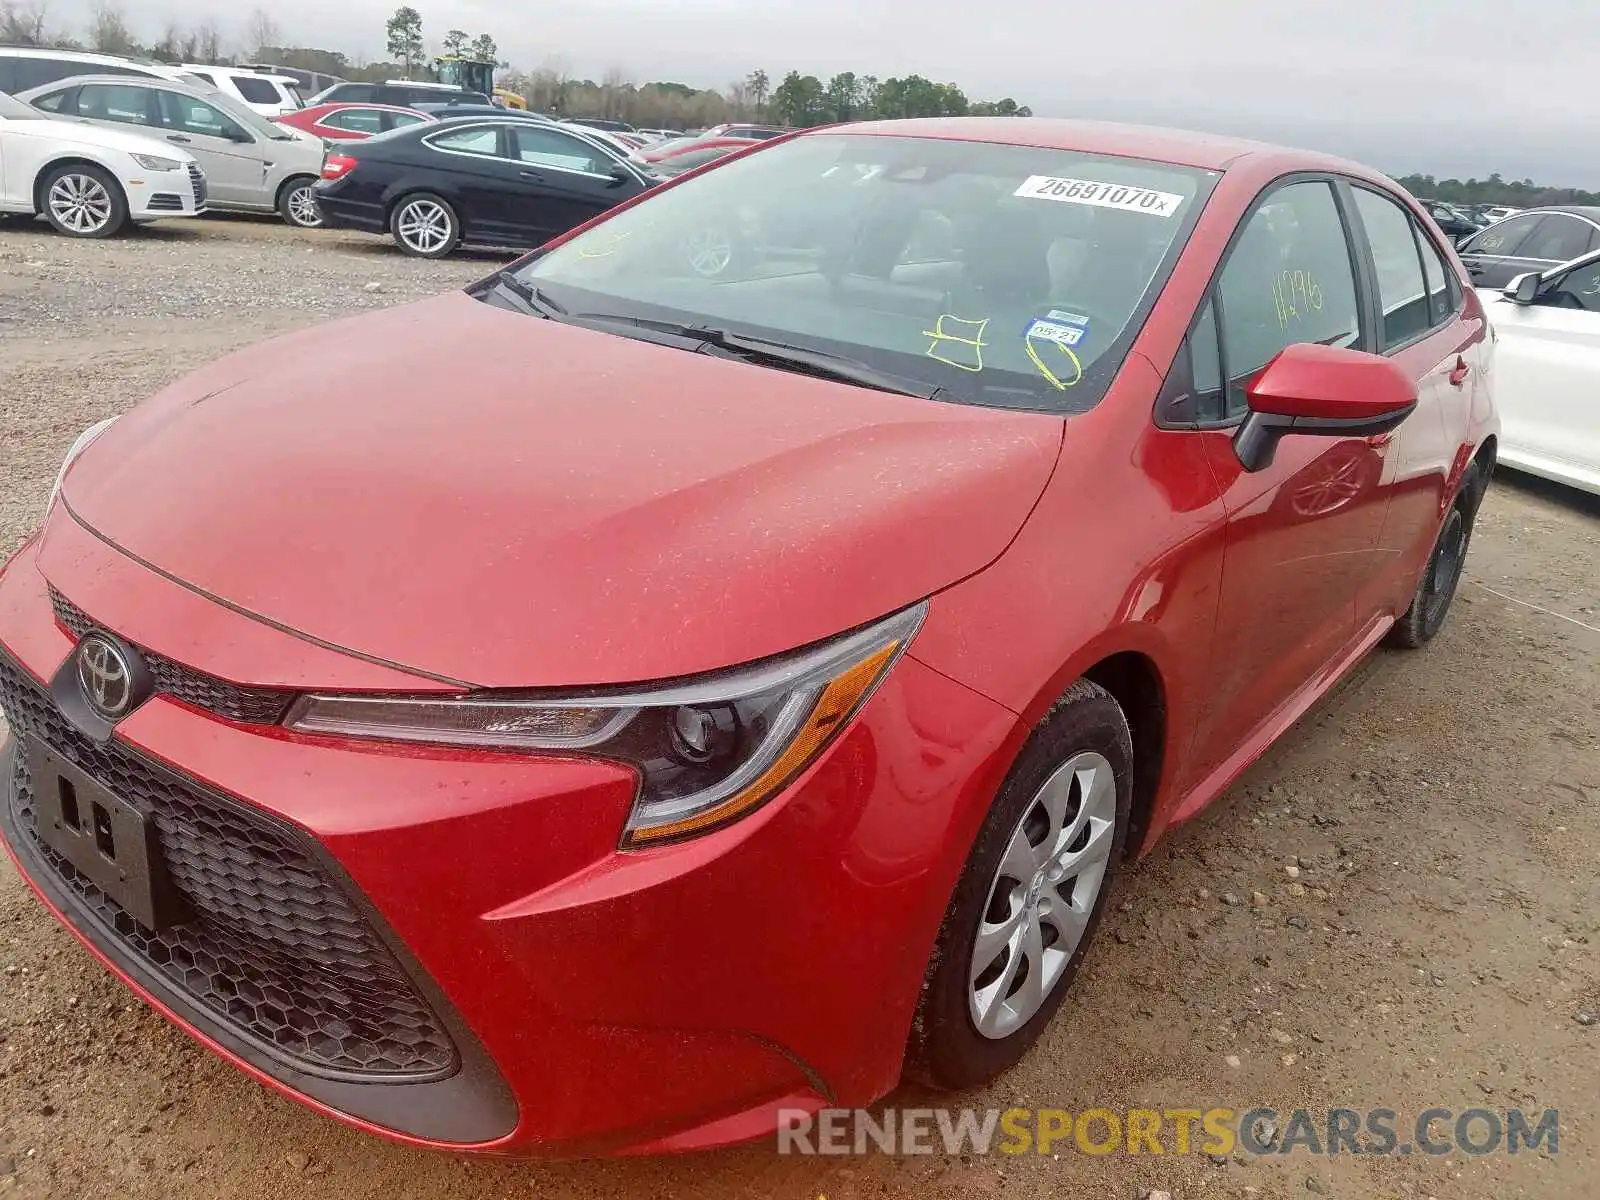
(1518, 193)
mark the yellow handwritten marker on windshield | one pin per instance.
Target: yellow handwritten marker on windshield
(1054, 380)
(608, 248)
(941, 335)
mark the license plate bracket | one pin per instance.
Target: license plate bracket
(110, 841)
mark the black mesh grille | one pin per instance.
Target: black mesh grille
(249, 706)
(274, 947)
(197, 181)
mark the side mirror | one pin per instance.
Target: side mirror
(1323, 391)
(618, 176)
(1524, 289)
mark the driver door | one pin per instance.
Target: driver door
(1303, 533)
(235, 165)
(1547, 375)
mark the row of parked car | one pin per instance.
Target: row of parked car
(98, 143)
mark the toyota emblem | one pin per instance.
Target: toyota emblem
(106, 677)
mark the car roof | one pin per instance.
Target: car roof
(1588, 211)
(1182, 147)
(159, 81)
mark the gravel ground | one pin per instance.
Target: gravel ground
(1395, 908)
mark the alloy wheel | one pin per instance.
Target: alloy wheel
(424, 226)
(81, 204)
(303, 210)
(1042, 895)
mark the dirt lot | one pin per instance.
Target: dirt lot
(1438, 947)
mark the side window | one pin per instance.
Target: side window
(404, 120)
(8, 76)
(1559, 238)
(356, 120)
(471, 141)
(257, 91)
(1402, 295)
(352, 93)
(1503, 238)
(1288, 279)
(36, 72)
(54, 102)
(184, 115)
(1578, 288)
(116, 102)
(1443, 299)
(547, 148)
(206, 76)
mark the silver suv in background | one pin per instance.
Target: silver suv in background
(252, 164)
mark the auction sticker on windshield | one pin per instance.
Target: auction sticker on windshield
(1101, 195)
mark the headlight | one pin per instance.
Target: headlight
(707, 751)
(154, 162)
(85, 440)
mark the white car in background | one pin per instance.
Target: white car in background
(1547, 371)
(269, 95)
(252, 165)
(91, 182)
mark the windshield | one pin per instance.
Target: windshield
(246, 116)
(12, 109)
(1000, 275)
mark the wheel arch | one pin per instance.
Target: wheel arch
(74, 159)
(1136, 684)
(289, 181)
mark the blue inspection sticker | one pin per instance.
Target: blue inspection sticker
(1063, 333)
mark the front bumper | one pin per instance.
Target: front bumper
(161, 194)
(598, 1002)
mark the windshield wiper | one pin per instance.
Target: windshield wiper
(531, 297)
(781, 355)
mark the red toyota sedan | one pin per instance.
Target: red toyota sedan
(657, 688)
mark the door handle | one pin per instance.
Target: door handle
(530, 174)
(179, 138)
(1458, 376)
(1474, 268)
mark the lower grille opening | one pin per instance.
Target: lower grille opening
(271, 945)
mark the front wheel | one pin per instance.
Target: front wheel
(1442, 576)
(84, 202)
(1030, 897)
(426, 226)
(297, 204)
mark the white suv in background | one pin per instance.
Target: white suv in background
(25, 67)
(269, 95)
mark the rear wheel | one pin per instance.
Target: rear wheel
(84, 201)
(1442, 576)
(297, 204)
(426, 226)
(1030, 897)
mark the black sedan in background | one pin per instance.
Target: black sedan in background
(1535, 240)
(1456, 223)
(502, 181)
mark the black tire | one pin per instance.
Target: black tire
(415, 206)
(1442, 575)
(106, 211)
(946, 1049)
(297, 200)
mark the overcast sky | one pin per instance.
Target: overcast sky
(1449, 87)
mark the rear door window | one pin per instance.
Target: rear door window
(355, 120)
(117, 102)
(482, 141)
(1402, 293)
(257, 91)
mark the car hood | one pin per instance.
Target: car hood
(71, 132)
(502, 501)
